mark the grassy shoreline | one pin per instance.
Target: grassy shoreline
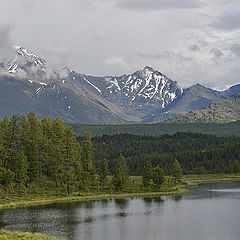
(189, 180)
(16, 235)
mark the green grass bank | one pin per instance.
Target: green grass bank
(48, 194)
(12, 235)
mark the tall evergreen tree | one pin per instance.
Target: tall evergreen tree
(121, 174)
(158, 177)
(56, 156)
(87, 154)
(71, 147)
(21, 169)
(11, 139)
(176, 171)
(33, 161)
(147, 175)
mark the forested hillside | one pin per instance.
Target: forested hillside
(197, 153)
(219, 129)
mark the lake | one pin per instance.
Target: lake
(211, 211)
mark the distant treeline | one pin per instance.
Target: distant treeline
(197, 153)
(156, 129)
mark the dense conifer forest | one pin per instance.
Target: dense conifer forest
(31, 150)
(196, 152)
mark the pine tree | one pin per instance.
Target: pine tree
(121, 174)
(176, 171)
(158, 177)
(147, 175)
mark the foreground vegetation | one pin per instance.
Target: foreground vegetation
(47, 192)
(10, 235)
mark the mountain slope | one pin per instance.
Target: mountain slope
(50, 100)
(222, 111)
(135, 94)
(193, 98)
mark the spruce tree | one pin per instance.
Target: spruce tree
(70, 151)
(158, 177)
(121, 174)
(56, 154)
(11, 137)
(176, 171)
(147, 175)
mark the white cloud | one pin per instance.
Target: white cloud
(56, 54)
(190, 41)
(117, 63)
(228, 21)
(158, 4)
(6, 46)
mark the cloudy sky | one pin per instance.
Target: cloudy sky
(188, 40)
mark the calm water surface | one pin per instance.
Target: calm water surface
(211, 211)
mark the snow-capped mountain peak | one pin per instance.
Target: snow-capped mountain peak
(23, 59)
(32, 57)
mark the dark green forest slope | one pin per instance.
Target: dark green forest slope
(224, 129)
(197, 153)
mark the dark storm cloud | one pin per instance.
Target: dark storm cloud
(158, 4)
(228, 21)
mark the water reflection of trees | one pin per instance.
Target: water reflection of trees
(121, 203)
(104, 202)
(177, 198)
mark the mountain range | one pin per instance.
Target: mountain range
(27, 84)
(222, 111)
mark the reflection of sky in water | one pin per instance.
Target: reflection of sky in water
(211, 211)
